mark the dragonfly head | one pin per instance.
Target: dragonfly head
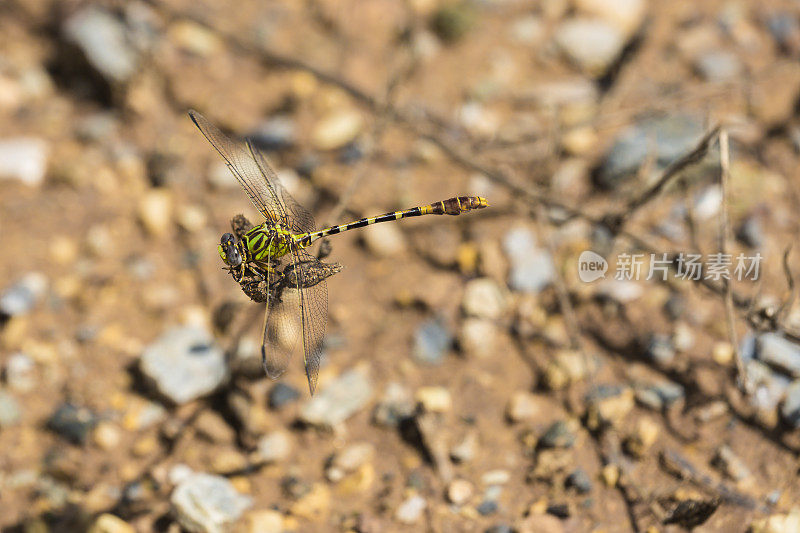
(229, 252)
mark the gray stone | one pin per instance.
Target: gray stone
(338, 400)
(282, 394)
(24, 159)
(591, 44)
(751, 233)
(274, 447)
(660, 350)
(770, 387)
(487, 507)
(659, 395)
(531, 267)
(204, 503)
(395, 405)
(10, 412)
(731, 464)
(20, 298)
(665, 138)
(184, 364)
(790, 410)
(718, 65)
(410, 511)
(779, 352)
(785, 29)
(559, 435)
(580, 481)
(349, 460)
(431, 342)
(103, 39)
(277, 133)
(20, 372)
(483, 298)
(72, 422)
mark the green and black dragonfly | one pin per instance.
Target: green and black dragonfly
(271, 262)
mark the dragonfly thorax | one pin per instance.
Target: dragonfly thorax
(267, 241)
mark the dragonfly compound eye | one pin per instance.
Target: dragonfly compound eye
(228, 251)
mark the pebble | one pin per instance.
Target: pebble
(722, 353)
(466, 449)
(72, 422)
(459, 491)
(560, 434)
(790, 410)
(434, 399)
(314, 505)
(262, 521)
(484, 298)
(779, 352)
(568, 366)
(668, 138)
(659, 395)
(778, 523)
(660, 350)
(591, 44)
(207, 503)
(531, 267)
(384, 240)
(731, 464)
(451, 22)
(274, 447)
(610, 475)
(487, 507)
(477, 337)
(23, 295)
(349, 460)
(337, 129)
(500, 528)
(275, 134)
(24, 159)
(281, 395)
(528, 30)
(142, 414)
(20, 372)
(103, 39)
(751, 232)
(608, 405)
(184, 364)
(10, 412)
(395, 405)
(785, 29)
(432, 340)
(155, 211)
(109, 523)
(627, 15)
(212, 427)
(580, 481)
(410, 511)
(496, 477)
(106, 435)
(340, 399)
(718, 65)
(478, 120)
(707, 203)
(643, 437)
(194, 38)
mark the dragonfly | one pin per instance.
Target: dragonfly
(271, 261)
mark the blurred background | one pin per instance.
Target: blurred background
(471, 380)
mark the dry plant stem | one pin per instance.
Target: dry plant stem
(724, 235)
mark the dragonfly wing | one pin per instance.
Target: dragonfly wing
(244, 167)
(282, 327)
(314, 315)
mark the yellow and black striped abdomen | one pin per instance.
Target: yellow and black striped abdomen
(451, 206)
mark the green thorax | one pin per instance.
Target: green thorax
(267, 241)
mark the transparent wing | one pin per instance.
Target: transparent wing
(298, 218)
(282, 326)
(314, 315)
(258, 185)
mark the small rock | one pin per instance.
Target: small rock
(142, 414)
(487, 507)
(184, 364)
(294, 487)
(531, 267)
(9, 410)
(395, 405)
(20, 372)
(24, 159)
(274, 447)
(483, 298)
(660, 395)
(790, 410)
(431, 342)
(560, 434)
(262, 521)
(722, 353)
(277, 133)
(778, 523)
(106, 435)
(608, 405)
(478, 120)
(459, 491)
(627, 15)
(453, 21)
(434, 399)
(610, 475)
(591, 44)
(580, 481)
(751, 233)
(103, 39)
(528, 30)
(718, 66)
(496, 477)
(477, 337)
(338, 400)
(108, 523)
(500, 528)
(568, 366)
(207, 503)
(779, 352)
(20, 298)
(707, 203)
(644, 436)
(384, 240)
(466, 449)
(410, 511)
(660, 350)
(211, 426)
(337, 129)
(314, 505)
(731, 464)
(194, 38)
(155, 211)
(192, 218)
(72, 422)
(349, 460)
(711, 411)
(282, 394)
(785, 29)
